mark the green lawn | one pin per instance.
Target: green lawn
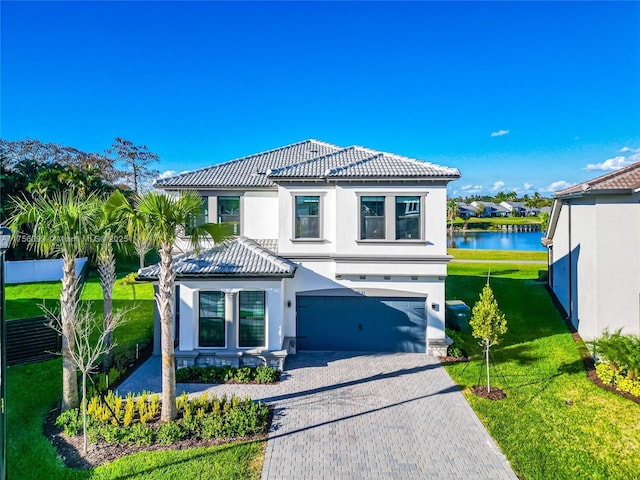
(33, 389)
(514, 255)
(554, 423)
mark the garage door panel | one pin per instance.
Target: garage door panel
(384, 324)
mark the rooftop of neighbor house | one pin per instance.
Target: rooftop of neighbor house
(308, 159)
(625, 180)
(239, 257)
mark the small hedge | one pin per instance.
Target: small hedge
(610, 374)
(130, 420)
(227, 374)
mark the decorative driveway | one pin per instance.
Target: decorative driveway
(363, 416)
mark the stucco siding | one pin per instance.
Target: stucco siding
(259, 215)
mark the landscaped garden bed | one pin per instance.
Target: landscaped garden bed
(120, 426)
(227, 374)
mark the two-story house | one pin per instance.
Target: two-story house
(337, 249)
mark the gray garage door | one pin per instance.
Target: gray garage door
(360, 323)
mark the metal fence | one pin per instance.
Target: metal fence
(31, 340)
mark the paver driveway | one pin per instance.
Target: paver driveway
(365, 416)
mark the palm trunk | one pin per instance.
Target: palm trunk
(141, 248)
(164, 301)
(107, 273)
(68, 308)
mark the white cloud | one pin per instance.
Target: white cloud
(615, 163)
(555, 186)
(499, 133)
(497, 186)
(528, 186)
(167, 174)
(472, 189)
(625, 150)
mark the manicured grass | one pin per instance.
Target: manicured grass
(554, 423)
(515, 255)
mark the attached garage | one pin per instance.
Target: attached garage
(351, 321)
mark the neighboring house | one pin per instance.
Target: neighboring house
(593, 239)
(489, 209)
(338, 249)
(518, 209)
(465, 210)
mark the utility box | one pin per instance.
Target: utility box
(457, 315)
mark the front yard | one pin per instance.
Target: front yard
(554, 423)
(33, 389)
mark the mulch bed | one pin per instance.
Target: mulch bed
(590, 367)
(69, 449)
(449, 359)
(494, 394)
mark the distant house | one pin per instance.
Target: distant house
(518, 209)
(489, 209)
(593, 239)
(465, 210)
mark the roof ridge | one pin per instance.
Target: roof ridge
(309, 160)
(601, 178)
(248, 157)
(264, 252)
(341, 168)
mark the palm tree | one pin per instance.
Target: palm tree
(136, 229)
(60, 225)
(452, 213)
(165, 217)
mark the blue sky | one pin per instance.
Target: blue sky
(524, 96)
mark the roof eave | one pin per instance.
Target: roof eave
(212, 276)
(592, 192)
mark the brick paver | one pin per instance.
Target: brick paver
(364, 416)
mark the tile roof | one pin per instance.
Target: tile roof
(627, 178)
(249, 171)
(309, 159)
(240, 257)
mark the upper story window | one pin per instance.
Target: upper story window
(201, 218)
(391, 218)
(407, 218)
(307, 217)
(211, 320)
(372, 222)
(229, 211)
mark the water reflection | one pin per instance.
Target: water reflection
(497, 240)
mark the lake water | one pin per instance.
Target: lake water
(497, 241)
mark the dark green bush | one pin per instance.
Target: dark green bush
(456, 349)
(622, 350)
(262, 374)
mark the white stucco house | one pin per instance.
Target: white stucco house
(593, 239)
(336, 249)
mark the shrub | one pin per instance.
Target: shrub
(264, 374)
(606, 373)
(456, 349)
(70, 421)
(623, 350)
(227, 373)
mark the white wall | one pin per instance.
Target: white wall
(259, 215)
(605, 253)
(27, 271)
(189, 310)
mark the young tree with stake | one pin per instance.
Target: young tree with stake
(488, 324)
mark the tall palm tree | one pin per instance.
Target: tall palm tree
(61, 226)
(165, 218)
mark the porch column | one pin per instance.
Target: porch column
(231, 318)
